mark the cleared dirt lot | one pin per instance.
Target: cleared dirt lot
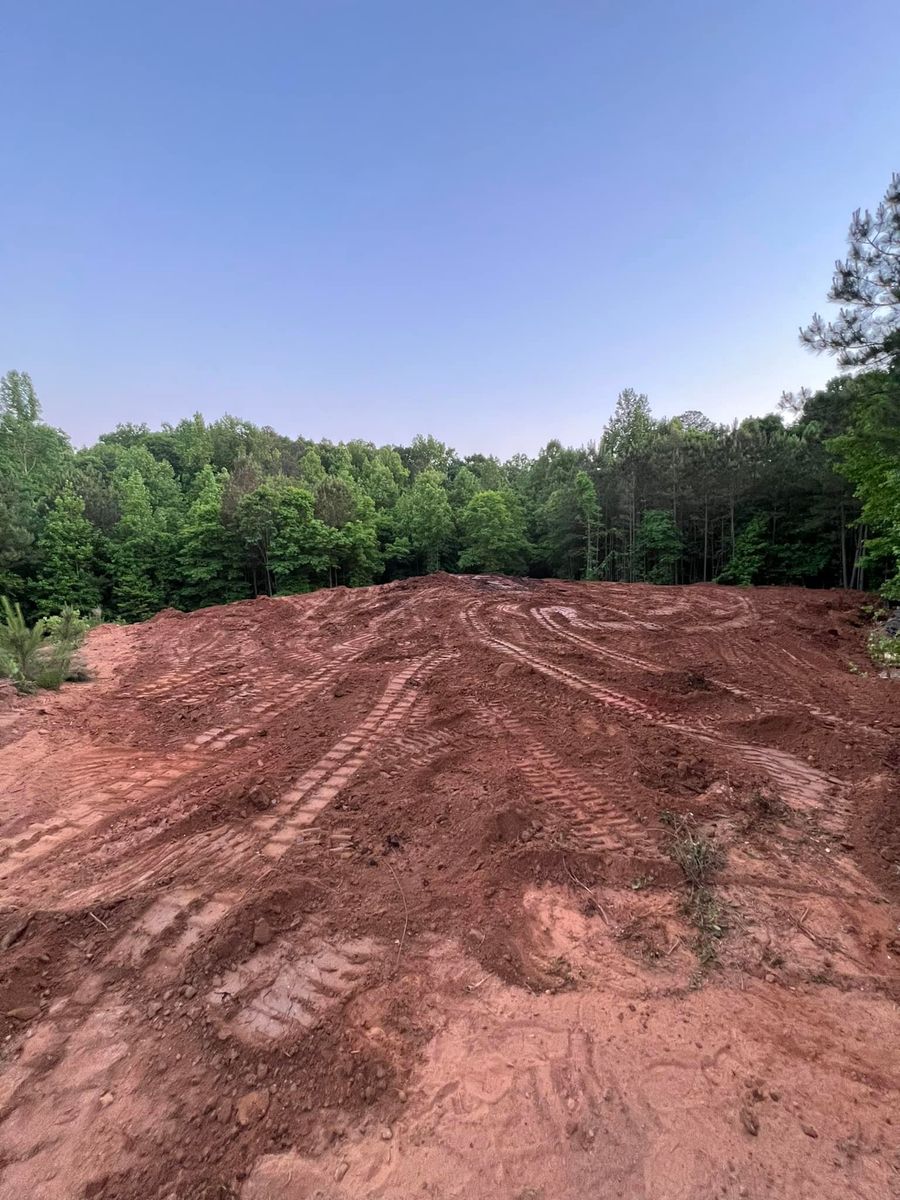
(372, 894)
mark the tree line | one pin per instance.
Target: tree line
(202, 513)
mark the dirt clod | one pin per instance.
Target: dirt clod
(262, 932)
(251, 1107)
(749, 1120)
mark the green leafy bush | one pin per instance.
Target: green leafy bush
(884, 649)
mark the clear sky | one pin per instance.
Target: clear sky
(362, 218)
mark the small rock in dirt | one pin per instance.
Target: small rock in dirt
(386, 1133)
(770, 978)
(505, 669)
(340, 1171)
(262, 933)
(15, 932)
(259, 799)
(189, 992)
(251, 1107)
(749, 1120)
(223, 1112)
(25, 1012)
(106, 1099)
(154, 1008)
(809, 1130)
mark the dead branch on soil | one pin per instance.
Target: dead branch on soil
(405, 912)
(829, 945)
(596, 902)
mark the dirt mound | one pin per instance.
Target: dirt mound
(446, 888)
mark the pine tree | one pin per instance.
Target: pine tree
(866, 284)
(589, 513)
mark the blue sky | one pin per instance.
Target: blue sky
(480, 220)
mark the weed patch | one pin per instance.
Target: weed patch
(699, 859)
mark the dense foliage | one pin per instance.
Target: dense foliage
(203, 513)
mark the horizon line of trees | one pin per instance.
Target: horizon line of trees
(203, 513)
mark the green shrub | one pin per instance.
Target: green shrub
(40, 655)
(884, 649)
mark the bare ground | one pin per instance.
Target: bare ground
(392, 892)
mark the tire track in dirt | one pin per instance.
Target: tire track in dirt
(302, 989)
(99, 793)
(772, 703)
(801, 786)
(416, 745)
(564, 675)
(279, 992)
(319, 784)
(149, 788)
(228, 851)
(596, 812)
(543, 617)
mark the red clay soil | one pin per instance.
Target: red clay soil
(457, 887)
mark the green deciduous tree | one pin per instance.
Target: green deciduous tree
(209, 554)
(425, 520)
(138, 553)
(657, 547)
(493, 534)
(34, 462)
(65, 552)
(868, 454)
(746, 563)
(288, 549)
